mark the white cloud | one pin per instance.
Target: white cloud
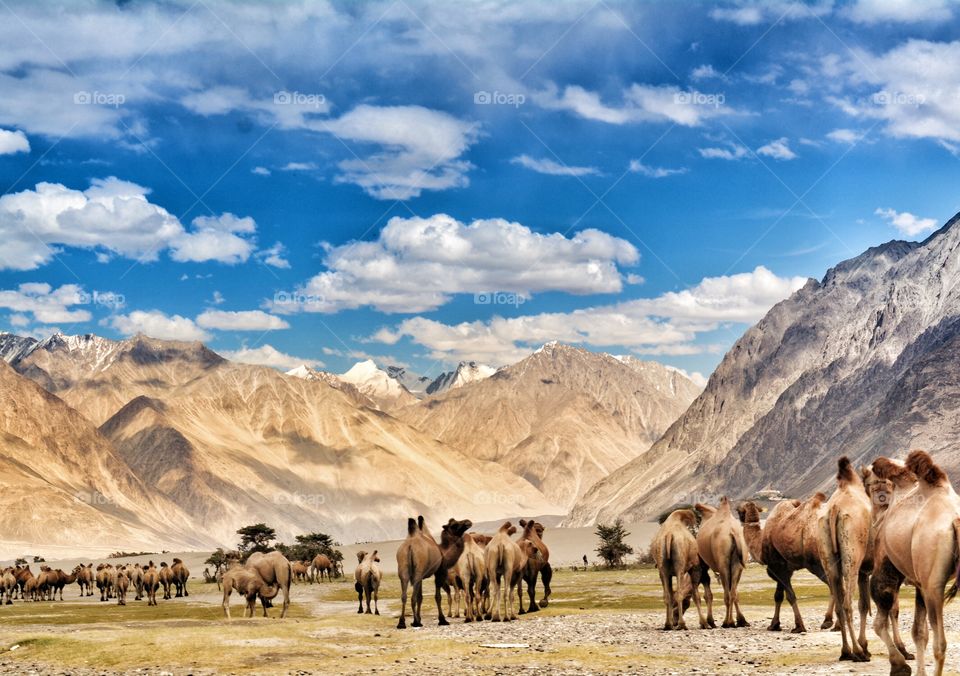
(899, 11)
(111, 216)
(46, 304)
(778, 149)
(638, 167)
(156, 324)
(274, 256)
(267, 355)
(299, 166)
(667, 324)
(417, 264)
(733, 151)
(753, 12)
(13, 142)
(907, 223)
(551, 168)
(641, 103)
(705, 72)
(260, 171)
(420, 149)
(248, 320)
(844, 136)
(287, 110)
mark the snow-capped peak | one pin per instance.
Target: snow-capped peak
(466, 372)
(372, 380)
(303, 371)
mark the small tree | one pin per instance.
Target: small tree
(309, 545)
(612, 547)
(39, 559)
(255, 538)
(218, 559)
(20, 562)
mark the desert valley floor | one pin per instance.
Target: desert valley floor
(598, 622)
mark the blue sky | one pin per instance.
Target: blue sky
(430, 182)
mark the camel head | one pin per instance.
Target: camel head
(361, 555)
(922, 465)
(375, 557)
(748, 512)
(846, 475)
(457, 528)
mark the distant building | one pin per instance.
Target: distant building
(768, 494)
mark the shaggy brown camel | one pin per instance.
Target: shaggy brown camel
(367, 576)
(8, 585)
(846, 553)
(321, 564)
(136, 580)
(722, 547)
(166, 579)
(788, 542)
(179, 576)
(674, 550)
(538, 559)
(106, 576)
(301, 571)
(151, 583)
(22, 574)
(47, 583)
(122, 583)
(887, 481)
(275, 570)
(86, 578)
(63, 579)
(920, 536)
(419, 557)
(505, 562)
(31, 588)
(249, 583)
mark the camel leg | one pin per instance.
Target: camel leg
(735, 585)
(546, 574)
(226, 601)
(402, 623)
(897, 639)
(359, 588)
(680, 602)
(708, 595)
(532, 592)
(828, 621)
(935, 618)
(666, 581)
(417, 603)
(864, 602)
(777, 602)
(727, 601)
(376, 594)
(920, 632)
(368, 592)
(440, 586)
(495, 596)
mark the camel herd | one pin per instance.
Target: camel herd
(890, 523)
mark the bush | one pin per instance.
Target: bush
(612, 547)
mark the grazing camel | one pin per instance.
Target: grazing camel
(722, 547)
(179, 576)
(301, 571)
(151, 583)
(846, 553)
(8, 585)
(505, 562)
(368, 577)
(788, 542)
(321, 564)
(250, 585)
(122, 583)
(674, 550)
(419, 556)
(275, 570)
(538, 559)
(920, 536)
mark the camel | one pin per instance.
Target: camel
(419, 556)
(63, 579)
(301, 571)
(166, 579)
(122, 583)
(179, 576)
(846, 553)
(47, 582)
(136, 579)
(151, 583)
(505, 561)
(85, 579)
(31, 588)
(788, 542)
(22, 575)
(674, 550)
(250, 585)
(8, 585)
(538, 559)
(106, 576)
(321, 564)
(368, 577)
(471, 575)
(919, 540)
(722, 547)
(275, 570)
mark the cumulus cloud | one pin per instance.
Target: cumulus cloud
(45, 304)
(638, 167)
(157, 324)
(13, 142)
(899, 11)
(640, 103)
(666, 324)
(778, 149)
(260, 171)
(247, 320)
(848, 136)
(907, 223)
(420, 149)
(274, 256)
(267, 355)
(417, 264)
(111, 216)
(732, 151)
(551, 168)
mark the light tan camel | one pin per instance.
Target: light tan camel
(166, 579)
(122, 583)
(135, 573)
(301, 571)
(788, 542)
(471, 575)
(538, 561)
(106, 576)
(920, 537)
(321, 564)
(846, 553)
(85, 579)
(722, 547)
(151, 583)
(180, 574)
(368, 577)
(419, 557)
(505, 563)
(674, 550)
(22, 574)
(275, 569)
(8, 585)
(47, 583)
(250, 585)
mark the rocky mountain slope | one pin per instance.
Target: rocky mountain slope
(863, 363)
(466, 372)
(562, 419)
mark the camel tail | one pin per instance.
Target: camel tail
(411, 526)
(955, 587)
(666, 551)
(833, 517)
(740, 555)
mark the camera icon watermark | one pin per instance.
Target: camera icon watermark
(94, 498)
(888, 98)
(287, 98)
(495, 98)
(298, 300)
(108, 299)
(497, 498)
(695, 98)
(85, 98)
(499, 298)
(300, 499)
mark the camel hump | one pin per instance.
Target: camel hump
(922, 465)
(512, 530)
(523, 523)
(818, 499)
(411, 526)
(506, 527)
(420, 522)
(845, 472)
(175, 561)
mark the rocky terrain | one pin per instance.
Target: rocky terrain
(863, 363)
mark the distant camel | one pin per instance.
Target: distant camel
(321, 564)
(920, 536)
(675, 552)
(63, 579)
(136, 579)
(846, 553)
(505, 562)
(180, 574)
(368, 577)
(722, 547)
(22, 575)
(301, 571)
(275, 570)
(85, 579)
(123, 582)
(106, 577)
(8, 585)
(538, 560)
(166, 579)
(151, 583)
